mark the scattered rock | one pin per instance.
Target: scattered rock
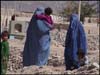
(56, 59)
(95, 65)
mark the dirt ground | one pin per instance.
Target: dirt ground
(55, 62)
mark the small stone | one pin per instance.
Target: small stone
(95, 65)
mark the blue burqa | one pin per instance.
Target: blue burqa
(75, 39)
(37, 45)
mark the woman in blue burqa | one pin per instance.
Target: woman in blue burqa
(37, 45)
(75, 43)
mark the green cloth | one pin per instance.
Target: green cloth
(4, 56)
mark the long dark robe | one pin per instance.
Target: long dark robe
(37, 45)
(75, 40)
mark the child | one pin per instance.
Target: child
(4, 51)
(46, 17)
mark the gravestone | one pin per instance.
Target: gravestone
(18, 28)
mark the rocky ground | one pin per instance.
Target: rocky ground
(56, 59)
